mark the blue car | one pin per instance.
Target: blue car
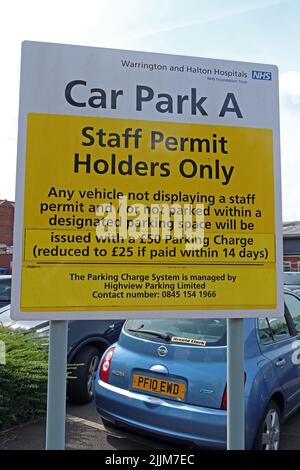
(167, 378)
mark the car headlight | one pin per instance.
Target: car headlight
(43, 332)
(17, 327)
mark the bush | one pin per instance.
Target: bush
(23, 378)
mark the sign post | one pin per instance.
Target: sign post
(148, 186)
(235, 385)
(57, 373)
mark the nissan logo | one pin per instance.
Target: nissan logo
(162, 351)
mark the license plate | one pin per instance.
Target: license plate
(168, 388)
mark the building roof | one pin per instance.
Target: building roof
(291, 229)
(9, 202)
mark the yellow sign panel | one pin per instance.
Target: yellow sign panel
(126, 214)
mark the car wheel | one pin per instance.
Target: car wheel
(81, 387)
(269, 433)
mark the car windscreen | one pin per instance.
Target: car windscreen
(195, 332)
(291, 279)
(5, 289)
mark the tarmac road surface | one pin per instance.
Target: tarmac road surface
(85, 430)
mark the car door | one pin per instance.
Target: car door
(293, 306)
(279, 350)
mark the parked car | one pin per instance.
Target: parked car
(5, 290)
(168, 378)
(292, 281)
(87, 339)
(3, 271)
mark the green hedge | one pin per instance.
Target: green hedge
(23, 378)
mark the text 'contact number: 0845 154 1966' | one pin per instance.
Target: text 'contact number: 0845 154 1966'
(190, 293)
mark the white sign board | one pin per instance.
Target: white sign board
(148, 185)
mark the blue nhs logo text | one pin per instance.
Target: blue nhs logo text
(259, 75)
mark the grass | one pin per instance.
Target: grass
(23, 378)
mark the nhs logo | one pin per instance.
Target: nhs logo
(259, 75)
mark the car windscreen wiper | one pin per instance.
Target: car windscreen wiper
(158, 334)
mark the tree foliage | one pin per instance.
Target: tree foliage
(23, 377)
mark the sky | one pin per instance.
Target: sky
(266, 31)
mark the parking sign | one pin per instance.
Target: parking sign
(148, 185)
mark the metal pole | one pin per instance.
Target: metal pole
(57, 374)
(235, 385)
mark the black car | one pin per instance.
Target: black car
(87, 340)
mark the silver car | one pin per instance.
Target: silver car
(5, 290)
